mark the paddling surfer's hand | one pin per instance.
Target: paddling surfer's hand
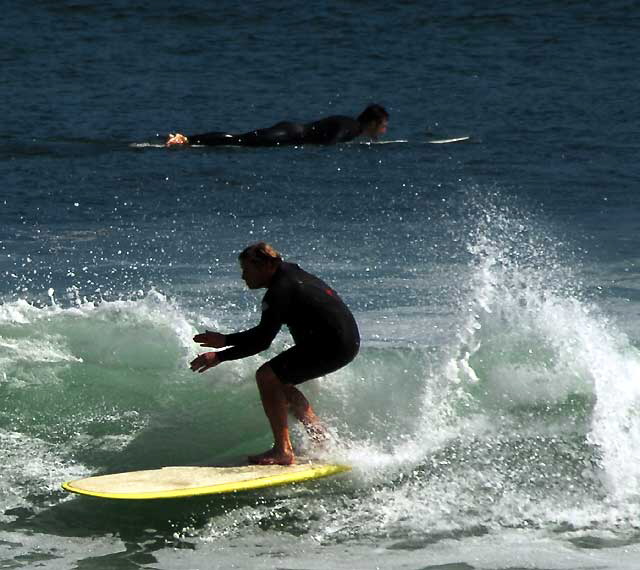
(210, 339)
(204, 361)
(176, 139)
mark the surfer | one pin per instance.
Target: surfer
(324, 331)
(372, 122)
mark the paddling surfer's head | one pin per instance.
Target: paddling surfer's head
(259, 262)
(373, 121)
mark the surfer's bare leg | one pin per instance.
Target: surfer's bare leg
(275, 404)
(303, 412)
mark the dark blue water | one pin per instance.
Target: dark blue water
(493, 415)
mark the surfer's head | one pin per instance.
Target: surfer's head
(259, 262)
(374, 120)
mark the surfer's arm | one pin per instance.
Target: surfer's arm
(252, 341)
(204, 361)
(211, 339)
(332, 130)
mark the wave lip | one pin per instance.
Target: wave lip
(532, 343)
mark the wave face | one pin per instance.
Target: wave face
(512, 405)
(491, 417)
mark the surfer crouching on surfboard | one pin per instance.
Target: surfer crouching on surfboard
(324, 331)
(372, 122)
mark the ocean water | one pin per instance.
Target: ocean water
(492, 418)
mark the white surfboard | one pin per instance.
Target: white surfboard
(446, 141)
(398, 141)
(177, 482)
(435, 141)
(382, 142)
(146, 145)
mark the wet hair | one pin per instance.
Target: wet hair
(373, 114)
(260, 252)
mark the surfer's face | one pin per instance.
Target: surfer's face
(255, 274)
(374, 130)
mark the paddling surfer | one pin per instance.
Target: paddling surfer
(324, 331)
(372, 122)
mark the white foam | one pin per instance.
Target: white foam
(530, 340)
(31, 465)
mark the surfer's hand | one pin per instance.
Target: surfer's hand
(210, 339)
(176, 139)
(204, 361)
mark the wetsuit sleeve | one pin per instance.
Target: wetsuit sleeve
(213, 139)
(255, 340)
(282, 133)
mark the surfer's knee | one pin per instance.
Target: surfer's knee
(266, 376)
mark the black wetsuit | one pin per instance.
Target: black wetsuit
(331, 130)
(325, 333)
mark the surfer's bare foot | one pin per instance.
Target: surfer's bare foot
(273, 457)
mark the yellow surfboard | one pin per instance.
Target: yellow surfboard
(176, 482)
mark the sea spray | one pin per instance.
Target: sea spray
(503, 438)
(615, 426)
(503, 426)
(531, 341)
